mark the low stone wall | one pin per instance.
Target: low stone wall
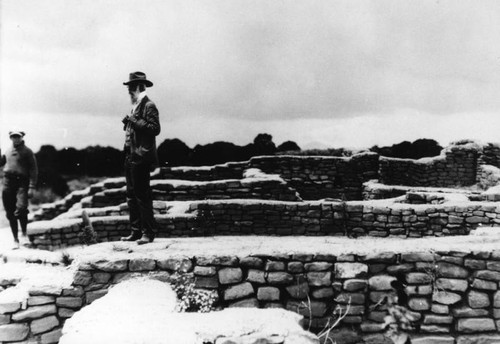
(248, 217)
(456, 166)
(230, 170)
(256, 186)
(372, 190)
(488, 176)
(37, 313)
(56, 234)
(322, 177)
(451, 294)
(490, 155)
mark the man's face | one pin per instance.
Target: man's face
(16, 139)
(133, 92)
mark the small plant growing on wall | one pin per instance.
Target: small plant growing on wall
(87, 236)
(191, 299)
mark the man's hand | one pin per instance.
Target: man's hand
(125, 121)
(31, 192)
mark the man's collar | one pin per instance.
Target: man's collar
(142, 95)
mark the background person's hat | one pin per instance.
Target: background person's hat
(138, 77)
(16, 132)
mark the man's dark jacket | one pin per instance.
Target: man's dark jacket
(144, 127)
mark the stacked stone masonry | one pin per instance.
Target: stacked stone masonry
(312, 177)
(451, 294)
(249, 217)
(39, 318)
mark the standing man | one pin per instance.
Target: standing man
(19, 182)
(141, 127)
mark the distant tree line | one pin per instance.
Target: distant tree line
(57, 166)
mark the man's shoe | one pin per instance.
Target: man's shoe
(133, 236)
(145, 239)
(15, 246)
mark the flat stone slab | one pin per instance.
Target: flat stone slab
(143, 311)
(264, 245)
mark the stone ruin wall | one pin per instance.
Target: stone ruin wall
(251, 217)
(454, 295)
(316, 178)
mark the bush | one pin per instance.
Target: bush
(191, 299)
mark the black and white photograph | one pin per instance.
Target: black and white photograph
(250, 172)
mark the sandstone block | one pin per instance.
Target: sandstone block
(418, 278)
(180, 264)
(65, 312)
(417, 257)
(322, 293)
(381, 282)
(484, 285)
(82, 278)
(354, 284)
(91, 296)
(295, 267)
(433, 340)
(238, 291)
(452, 284)
(451, 270)
(268, 294)
(419, 289)
(218, 260)
(350, 270)
(142, 264)
(496, 299)
(419, 304)
(434, 329)
(51, 337)
(279, 278)
(206, 282)
(317, 266)
(471, 325)
(110, 265)
(475, 264)
(479, 339)
(319, 279)
(440, 309)
(437, 319)
(9, 307)
(34, 312)
(40, 300)
(380, 257)
(477, 299)
(400, 268)
(275, 266)
(350, 298)
(467, 312)
(298, 291)
(230, 275)
(488, 275)
(252, 262)
(205, 270)
(101, 277)
(446, 297)
(69, 302)
(246, 303)
(13, 332)
(44, 324)
(256, 276)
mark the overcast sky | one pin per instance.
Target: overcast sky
(320, 73)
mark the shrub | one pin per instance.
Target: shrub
(191, 299)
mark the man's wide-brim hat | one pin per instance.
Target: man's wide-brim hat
(16, 133)
(138, 78)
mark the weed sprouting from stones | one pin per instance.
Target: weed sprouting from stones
(191, 299)
(66, 258)
(87, 236)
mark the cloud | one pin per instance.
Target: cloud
(260, 61)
